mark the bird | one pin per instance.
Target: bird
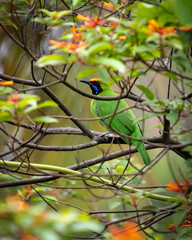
(122, 122)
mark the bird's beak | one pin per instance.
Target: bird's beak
(85, 81)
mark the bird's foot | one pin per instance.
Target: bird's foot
(101, 137)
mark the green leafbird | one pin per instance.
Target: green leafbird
(122, 122)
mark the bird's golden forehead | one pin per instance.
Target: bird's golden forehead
(95, 79)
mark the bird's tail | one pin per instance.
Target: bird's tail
(143, 152)
(140, 146)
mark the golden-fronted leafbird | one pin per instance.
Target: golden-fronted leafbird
(120, 121)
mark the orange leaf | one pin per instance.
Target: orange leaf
(123, 37)
(128, 231)
(154, 27)
(109, 5)
(17, 203)
(171, 227)
(83, 18)
(6, 83)
(183, 28)
(57, 44)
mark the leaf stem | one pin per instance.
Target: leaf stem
(100, 180)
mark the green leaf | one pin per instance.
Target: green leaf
(163, 12)
(184, 233)
(50, 198)
(29, 97)
(4, 90)
(55, 14)
(6, 106)
(98, 47)
(110, 62)
(6, 21)
(176, 43)
(157, 103)
(86, 72)
(104, 74)
(178, 217)
(177, 104)
(147, 51)
(5, 116)
(51, 60)
(47, 104)
(45, 119)
(76, 2)
(171, 76)
(188, 149)
(172, 116)
(28, 109)
(149, 115)
(46, 20)
(150, 207)
(62, 13)
(146, 91)
(114, 204)
(28, 100)
(34, 105)
(158, 190)
(183, 10)
(182, 62)
(119, 170)
(48, 13)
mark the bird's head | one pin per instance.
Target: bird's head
(96, 84)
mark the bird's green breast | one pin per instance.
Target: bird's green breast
(122, 119)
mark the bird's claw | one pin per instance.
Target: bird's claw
(101, 137)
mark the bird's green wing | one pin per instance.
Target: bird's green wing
(122, 122)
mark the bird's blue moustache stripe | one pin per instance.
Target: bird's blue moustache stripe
(95, 90)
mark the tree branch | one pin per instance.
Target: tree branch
(95, 179)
